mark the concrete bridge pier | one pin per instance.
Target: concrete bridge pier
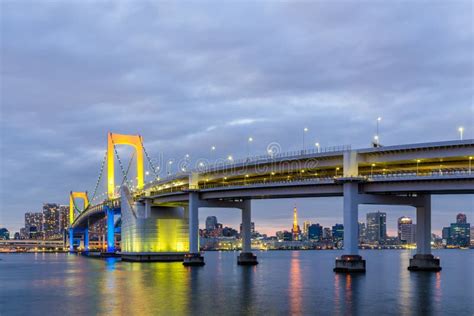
(423, 260)
(246, 257)
(86, 239)
(71, 240)
(110, 230)
(194, 257)
(350, 261)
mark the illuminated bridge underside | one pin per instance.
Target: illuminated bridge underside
(431, 168)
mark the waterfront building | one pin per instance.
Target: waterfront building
(51, 227)
(362, 232)
(63, 217)
(461, 218)
(306, 225)
(211, 223)
(459, 232)
(472, 236)
(327, 233)
(33, 225)
(4, 234)
(315, 232)
(406, 230)
(338, 232)
(376, 227)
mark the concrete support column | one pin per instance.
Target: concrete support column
(86, 238)
(424, 260)
(193, 222)
(110, 230)
(351, 223)
(350, 261)
(246, 230)
(246, 257)
(193, 258)
(71, 239)
(423, 227)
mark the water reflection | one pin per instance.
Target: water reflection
(295, 292)
(246, 291)
(347, 286)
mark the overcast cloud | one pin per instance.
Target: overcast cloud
(191, 75)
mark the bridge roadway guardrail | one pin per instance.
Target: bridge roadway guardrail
(455, 174)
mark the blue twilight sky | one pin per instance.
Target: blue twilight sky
(196, 74)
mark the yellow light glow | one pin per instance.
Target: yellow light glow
(76, 195)
(119, 139)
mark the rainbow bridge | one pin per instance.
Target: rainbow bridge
(159, 219)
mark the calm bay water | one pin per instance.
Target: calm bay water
(285, 282)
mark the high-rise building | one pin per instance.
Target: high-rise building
(33, 225)
(211, 223)
(406, 230)
(295, 231)
(306, 225)
(4, 234)
(472, 236)
(461, 218)
(51, 227)
(376, 227)
(63, 217)
(327, 233)
(315, 232)
(362, 232)
(338, 232)
(459, 232)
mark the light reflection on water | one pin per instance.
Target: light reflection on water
(285, 282)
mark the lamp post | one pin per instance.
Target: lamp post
(417, 164)
(305, 130)
(470, 164)
(461, 131)
(249, 140)
(372, 169)
(213, 149)
(317, 146)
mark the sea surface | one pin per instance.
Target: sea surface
(284, 283)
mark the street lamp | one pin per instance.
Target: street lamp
(213, 149)
(461, 131)
(470, 164)
(317, 146)
(230, 158)
(417, 164)
(250, 139)
(376, 140)
(372, 169)
(305, 130)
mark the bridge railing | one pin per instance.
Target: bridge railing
(268, 158)
(434, 173)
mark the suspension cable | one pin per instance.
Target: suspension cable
(148, 158)
(100, 177)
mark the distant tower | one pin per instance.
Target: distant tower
(295, 231)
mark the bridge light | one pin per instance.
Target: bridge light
(246, 175)
(273, 173)
(302, 171)
(230, 158)
(225, 178)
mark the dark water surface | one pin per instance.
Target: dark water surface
(285, 282)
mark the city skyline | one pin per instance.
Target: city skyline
(283, 91)
(391, 223)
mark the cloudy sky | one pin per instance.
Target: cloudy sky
(192, 75)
